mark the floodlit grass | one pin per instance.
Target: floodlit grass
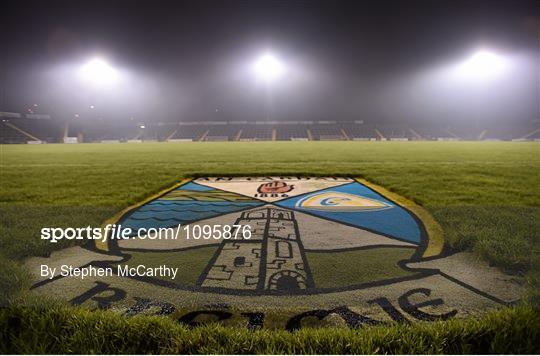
(64, 330)
(485, 195)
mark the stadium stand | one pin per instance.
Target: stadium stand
(108, 133)
(291, 131)
(189, 132)
(256, 132)
(10, 135)
(396, 132)
(164, 130)
(432, 132)
(17, 128)
(326, 131)
(23, 130)
(359, 131)
(528, 131)
(463, 133)
(223, 132)
(533, 134)
(42, 129)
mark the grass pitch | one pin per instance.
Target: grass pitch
(485, 196)
(67, 330)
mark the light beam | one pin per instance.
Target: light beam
(268, 68)
(481, 66)
(98, 72)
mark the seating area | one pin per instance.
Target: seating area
(42, 129)
(432, 132)
(463, 133)
(10, 135)
(291, 132)
(515, 133)
(22, 130)
(256, 132)
(188, 133)
(329, 131)
(223, 132)
(395, 132)
(163, 130)
(359, 131)
(113, 133)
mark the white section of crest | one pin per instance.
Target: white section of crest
(322, 234)
(248, 186)
(315, 233)
(74, 256)
(467, 268)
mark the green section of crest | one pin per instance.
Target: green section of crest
(190, 263)
(342, 269)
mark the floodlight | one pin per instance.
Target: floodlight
(482, 65)
(98, 72)
(268, 68)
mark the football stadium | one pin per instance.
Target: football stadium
(270, 177)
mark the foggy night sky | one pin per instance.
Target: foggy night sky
(346, 60)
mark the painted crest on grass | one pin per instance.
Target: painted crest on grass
(292, 221)
(313, 241)
(340, 202)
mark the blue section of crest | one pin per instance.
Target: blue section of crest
(195, 187)
(170, 213)
(393, 221)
